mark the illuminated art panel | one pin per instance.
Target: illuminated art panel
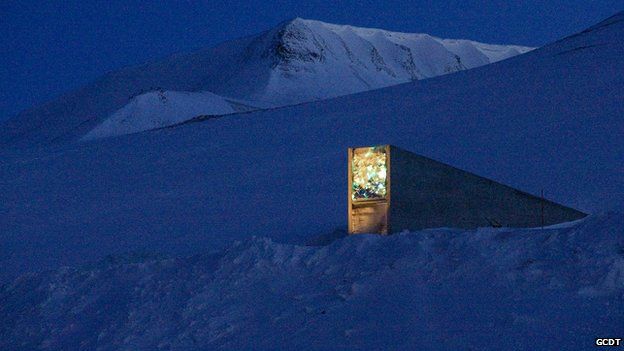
(368, 171)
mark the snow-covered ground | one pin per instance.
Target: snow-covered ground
(297, 61)
(439, 289)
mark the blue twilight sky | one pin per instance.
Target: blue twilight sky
(50, 47)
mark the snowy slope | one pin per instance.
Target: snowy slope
(443, 289)
(160, 109)
(299, 60)
(550, 119)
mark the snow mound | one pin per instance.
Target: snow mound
(159, 109)
(439, 289)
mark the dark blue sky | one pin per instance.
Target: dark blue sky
(48, 48)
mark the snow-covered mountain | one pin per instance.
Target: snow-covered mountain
(440, 289)
(298, 61)
(312, 60)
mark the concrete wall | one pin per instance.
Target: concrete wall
(427, 194)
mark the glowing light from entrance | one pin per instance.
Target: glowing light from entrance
(369, 173)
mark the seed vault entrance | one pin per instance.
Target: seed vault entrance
(369, 195)
(391, 190)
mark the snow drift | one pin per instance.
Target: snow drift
(297, 61)
(441, 289)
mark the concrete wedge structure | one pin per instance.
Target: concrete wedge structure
(391, 190)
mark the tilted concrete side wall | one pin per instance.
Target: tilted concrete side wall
(428, 194)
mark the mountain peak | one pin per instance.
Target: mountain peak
(298, 20)
(289, 21)
(295, 40)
